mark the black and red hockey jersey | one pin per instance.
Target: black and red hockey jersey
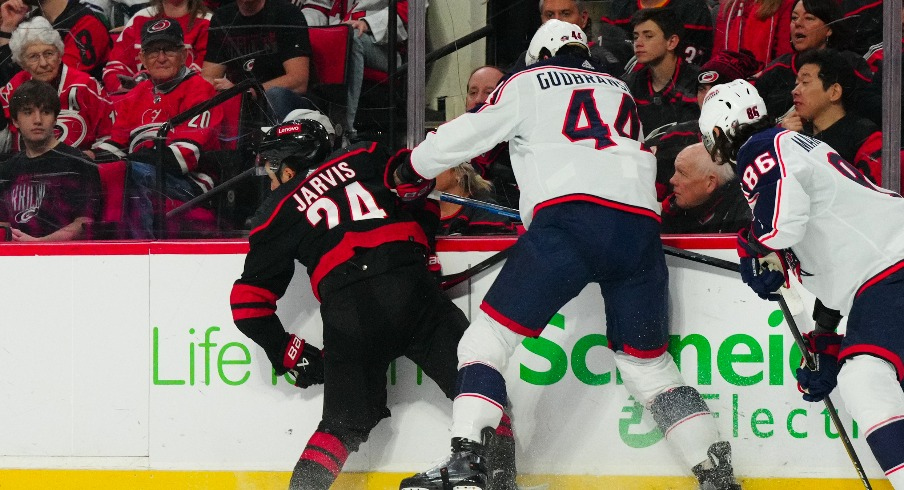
(324, 220)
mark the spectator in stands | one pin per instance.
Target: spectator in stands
(721, 68)
(821, 102)
(85, 111)
(494, 165)
(611, 48)
(86, 42)
(370, 21)
(124, 69)
(815, 24)
(49, 191)
(278, 56)
(456, 219)
(707, 196)
(762, 27)
(864, 19)
(665, 87)
(171, 89)
(694, 16)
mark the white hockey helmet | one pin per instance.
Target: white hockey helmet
(728, 106)
(551, 36)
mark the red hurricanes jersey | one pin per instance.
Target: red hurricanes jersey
(141, 112)
(85, 38)
(85, 116)
(124, 57)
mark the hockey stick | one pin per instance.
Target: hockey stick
(467, 201)
(447, 282)
(791, 305)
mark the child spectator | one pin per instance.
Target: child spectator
(85, 38)
(665, 87)
(762, 27)
(693, 15)
(171, 88)
(84, 116)
(124, 69)
(49, 191)
(822, 98)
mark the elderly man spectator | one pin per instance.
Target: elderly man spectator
(85, 38)
(171, 89)
(84, 116)
(49, 191)
(707, 197)
(262, 39)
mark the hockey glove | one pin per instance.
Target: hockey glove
(763, 281)
(818, 382)
(402, 177)
(303, 361)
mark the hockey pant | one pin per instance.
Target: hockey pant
(872, 394)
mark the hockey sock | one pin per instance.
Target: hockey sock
(320, 463)
(481, 396)
(686, 422)
(885, 440)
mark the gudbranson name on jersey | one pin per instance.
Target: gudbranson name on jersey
(548, 79)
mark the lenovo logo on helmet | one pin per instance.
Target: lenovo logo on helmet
(295, 128)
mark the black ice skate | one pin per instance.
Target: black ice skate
(465, 469)
(716, 473)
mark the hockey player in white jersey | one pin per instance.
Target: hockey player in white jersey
(589, 203)
(844, 236)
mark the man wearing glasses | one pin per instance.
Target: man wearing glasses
(170, 89)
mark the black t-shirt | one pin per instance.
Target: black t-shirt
(257, 43)
(43, 194)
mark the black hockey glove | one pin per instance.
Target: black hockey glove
(401, 177)
(763, 281)
(817, 383)
(303, 361)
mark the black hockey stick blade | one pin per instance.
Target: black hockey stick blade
(451, 280)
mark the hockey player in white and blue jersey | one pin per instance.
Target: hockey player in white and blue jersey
(589, 204)
(845, 237)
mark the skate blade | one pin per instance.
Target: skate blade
(544, 486)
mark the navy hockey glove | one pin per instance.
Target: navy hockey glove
(402, 177)
(303, 361)
(764, 282)
(817, 383)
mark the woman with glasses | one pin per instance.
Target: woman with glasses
(85, 111)
(125, 68)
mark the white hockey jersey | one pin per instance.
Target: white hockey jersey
(846, 232)
(573, 134)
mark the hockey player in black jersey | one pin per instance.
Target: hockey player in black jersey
(366, 258)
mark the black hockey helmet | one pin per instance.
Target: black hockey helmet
(298, 144)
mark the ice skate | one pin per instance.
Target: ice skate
(465, 469)
(717, 473)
